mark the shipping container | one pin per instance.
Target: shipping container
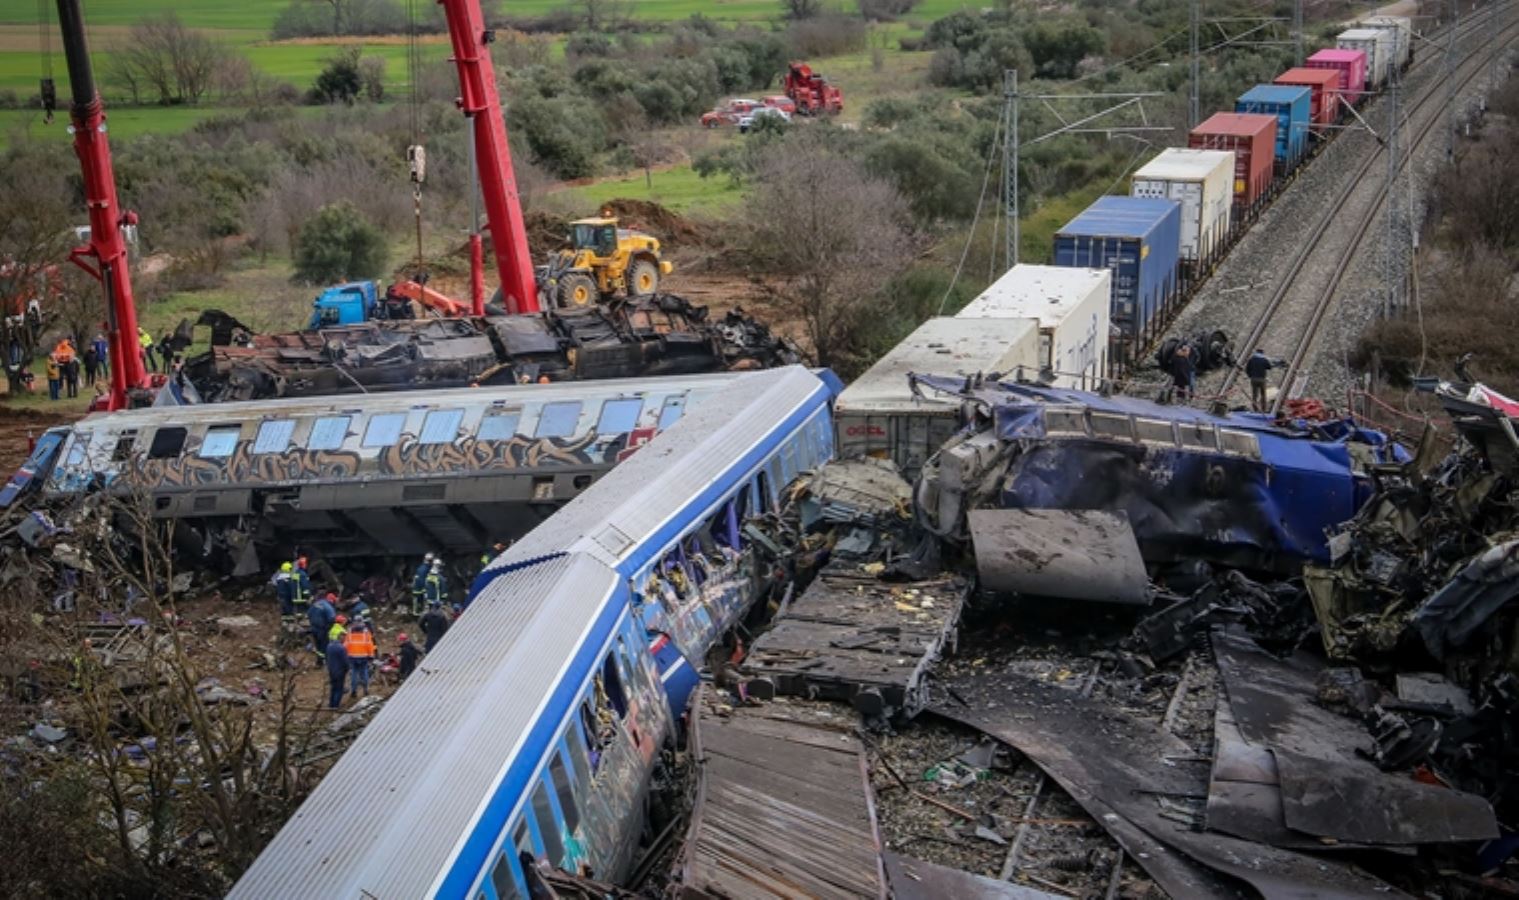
(1400, 32)
(1376, 43)
(1351, 64)
(1252, 140)
(1202, 181)
(880, 415)
(1291, 106)
(1324, 102)
(1071, 306)
(1138, 239)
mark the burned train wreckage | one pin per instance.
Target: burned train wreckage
(662, 335)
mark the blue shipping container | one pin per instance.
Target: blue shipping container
(1139, 238)
(1293, 107)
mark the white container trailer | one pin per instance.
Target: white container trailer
(1202, 181)
(1400, 29)
(1072, 306)
(1376, 43)
(878, 415)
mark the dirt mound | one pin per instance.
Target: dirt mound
(671, 228)
(18, 427)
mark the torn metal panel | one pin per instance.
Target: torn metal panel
(916, 879)
(1068, 554)
(783, 806)
(1431, 691)
(1466, 602)
(1273, 705)
(1099, 754)
(853, 637)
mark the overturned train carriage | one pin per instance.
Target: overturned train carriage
(664, 335)
(378, 475)
(543, 713)
(1237, 490)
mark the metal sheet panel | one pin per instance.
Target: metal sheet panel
(1069, 554)
(408, 790)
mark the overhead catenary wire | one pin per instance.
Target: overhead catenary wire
(986, 176)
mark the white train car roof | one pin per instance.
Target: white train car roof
(455, 745)
(633, 511)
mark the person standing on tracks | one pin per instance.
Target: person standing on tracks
(1257, 368)
(359, 642)
(408, 653)
(338, 663)
(434, 625)
(1183, 372)
(419, 585)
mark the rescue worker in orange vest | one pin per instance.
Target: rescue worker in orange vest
(359, 642)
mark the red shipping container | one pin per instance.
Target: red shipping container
(1351, 64)
(1325, 104)
(1252, 138)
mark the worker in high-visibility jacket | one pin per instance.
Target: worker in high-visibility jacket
(359, 642)
(284, 589)
(339, 627)
(435, 587)
(300, 593)
(419, 585)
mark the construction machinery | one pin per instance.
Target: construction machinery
(602, 260)
(811, 92)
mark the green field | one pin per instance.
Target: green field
(678, 188)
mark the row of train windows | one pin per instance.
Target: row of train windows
(566, 784)
(555, 420)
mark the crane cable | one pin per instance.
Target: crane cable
(416, 154)
(48, 89)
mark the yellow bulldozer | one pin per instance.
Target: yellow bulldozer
(601, 261)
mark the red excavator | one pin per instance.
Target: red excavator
(811, 92)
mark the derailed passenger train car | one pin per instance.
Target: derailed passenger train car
(538, 723)
(392, 474)
(1238, 489)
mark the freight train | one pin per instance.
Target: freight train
(1187, 206)
(535, 728)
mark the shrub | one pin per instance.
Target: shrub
(341, 81)
(827, 35)
(884, 10)
(338, 245)
(565, 133)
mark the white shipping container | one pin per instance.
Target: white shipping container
(1376, 43)
(1202, 181)
(1400, 29)
(877, 415)
(1073, 308)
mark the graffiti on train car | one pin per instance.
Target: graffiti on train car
(407, 457)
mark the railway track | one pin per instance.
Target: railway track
(1424, 112)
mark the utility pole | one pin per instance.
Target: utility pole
(1395, 248)
(1010, 165)
(1450, 80)
(1297, 30)
(1192, 100)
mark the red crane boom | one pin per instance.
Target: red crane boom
(106, 244)
(480, 101)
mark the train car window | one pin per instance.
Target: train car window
(558, 419)
(579, 760)
(499, 426)
(565, 791)
(219, 442)
(125, 444)
(328, 433)
(274, 436)
(764, 497)
(1112, 425)
(384, 429)
(1155, 431)
(619, 416)
(168, 442)
(504, 880)
(588, 727)
(77, 448)
(612, 684)
(441, 426)
(548, 827)
(522, 839)
(670, 413)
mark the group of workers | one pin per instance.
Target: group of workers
(65, 363)
(1257, 368)
(342, 631)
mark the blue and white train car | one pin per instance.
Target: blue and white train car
(534, 727)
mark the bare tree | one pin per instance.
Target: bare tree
(603, 15)
(34, 242)
(833, 236)
(164, 58)
(797, 10)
